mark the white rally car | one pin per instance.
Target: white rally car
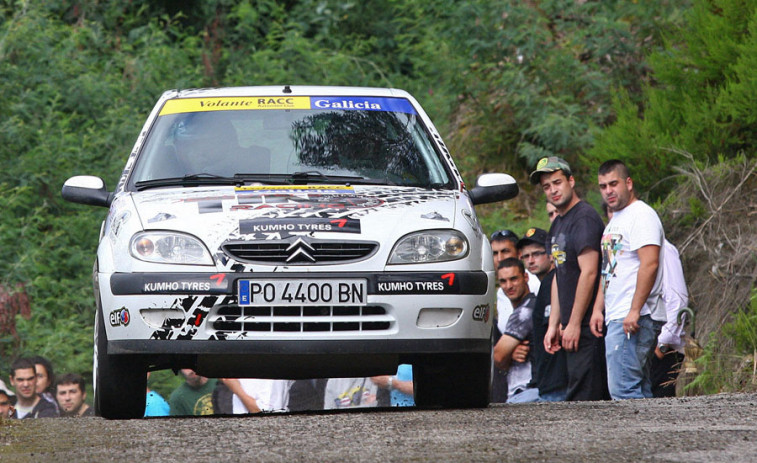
(292, 232)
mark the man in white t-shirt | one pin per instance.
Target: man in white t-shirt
(252, 395)
(631, 286)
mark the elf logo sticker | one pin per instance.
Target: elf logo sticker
(481, 313)
(120, 317)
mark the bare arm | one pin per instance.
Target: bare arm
(247, 400)
(597, 322)
(552, 337)
(406, 387)
(503, 351)
(649, 262)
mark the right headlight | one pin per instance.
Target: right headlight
(429, 246)
(169, 248)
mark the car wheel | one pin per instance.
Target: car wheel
(120, 380)
(453, 381)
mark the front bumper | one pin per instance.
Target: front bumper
(407, 314)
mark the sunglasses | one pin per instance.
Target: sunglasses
(503, 234)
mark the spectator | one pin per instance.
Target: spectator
(194, 397)
(548, 371)
(155, 404)
(7, 401)
(514, 283)
(504, 245)
(632, 284)
(350, 393)
(45, 379)
(551, 212)
(533, 253)
(669, 352)
(400, 386)
(574, 238)
(252, 395)
(307, 394)
(29, 404)
(71, 393)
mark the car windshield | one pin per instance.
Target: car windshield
(308, 140)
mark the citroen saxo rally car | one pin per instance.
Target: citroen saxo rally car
(292, 232)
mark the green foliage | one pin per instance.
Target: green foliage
(743, 329)
(698, 102)
(729, 361)
(543, 73)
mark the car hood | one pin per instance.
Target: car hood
(217, 215)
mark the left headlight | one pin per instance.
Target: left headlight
(429, 246)
(169, 248)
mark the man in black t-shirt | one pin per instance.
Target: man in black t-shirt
(548, 371)
(575, 237)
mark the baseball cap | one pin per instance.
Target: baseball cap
(549, 165)
(6, 390)
(534, 236)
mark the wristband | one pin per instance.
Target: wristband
(389, 383)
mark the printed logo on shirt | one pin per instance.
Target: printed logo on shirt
(612, 245)
(558, 255)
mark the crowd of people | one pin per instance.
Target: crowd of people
(36, 392)
(585, 311)
(588, 310)
(40, 394)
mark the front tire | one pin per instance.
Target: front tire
(120, 380)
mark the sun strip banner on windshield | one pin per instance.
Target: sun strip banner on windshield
(344, 103)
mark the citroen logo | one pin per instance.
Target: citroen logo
(300, 250)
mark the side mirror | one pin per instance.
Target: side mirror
(86, 189)
(491, 188)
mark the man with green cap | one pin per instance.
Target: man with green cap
(574, 237)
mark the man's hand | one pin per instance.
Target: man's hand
(520, 354)
(552, 340)
(597, 323)
(570, 336)
(631, 323)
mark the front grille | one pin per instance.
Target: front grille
(300, 319)
(281, 252)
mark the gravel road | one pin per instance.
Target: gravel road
(690, 429)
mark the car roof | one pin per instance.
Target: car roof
(287, 90)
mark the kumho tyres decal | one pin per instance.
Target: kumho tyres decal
(169, 283)
(289, 227)
(343, 103)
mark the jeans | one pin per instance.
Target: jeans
(628, 359)
(526, 395)
(553, 396)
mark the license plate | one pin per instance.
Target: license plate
(302, 292)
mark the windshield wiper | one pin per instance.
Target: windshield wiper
(312, 176)
(187, 180)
